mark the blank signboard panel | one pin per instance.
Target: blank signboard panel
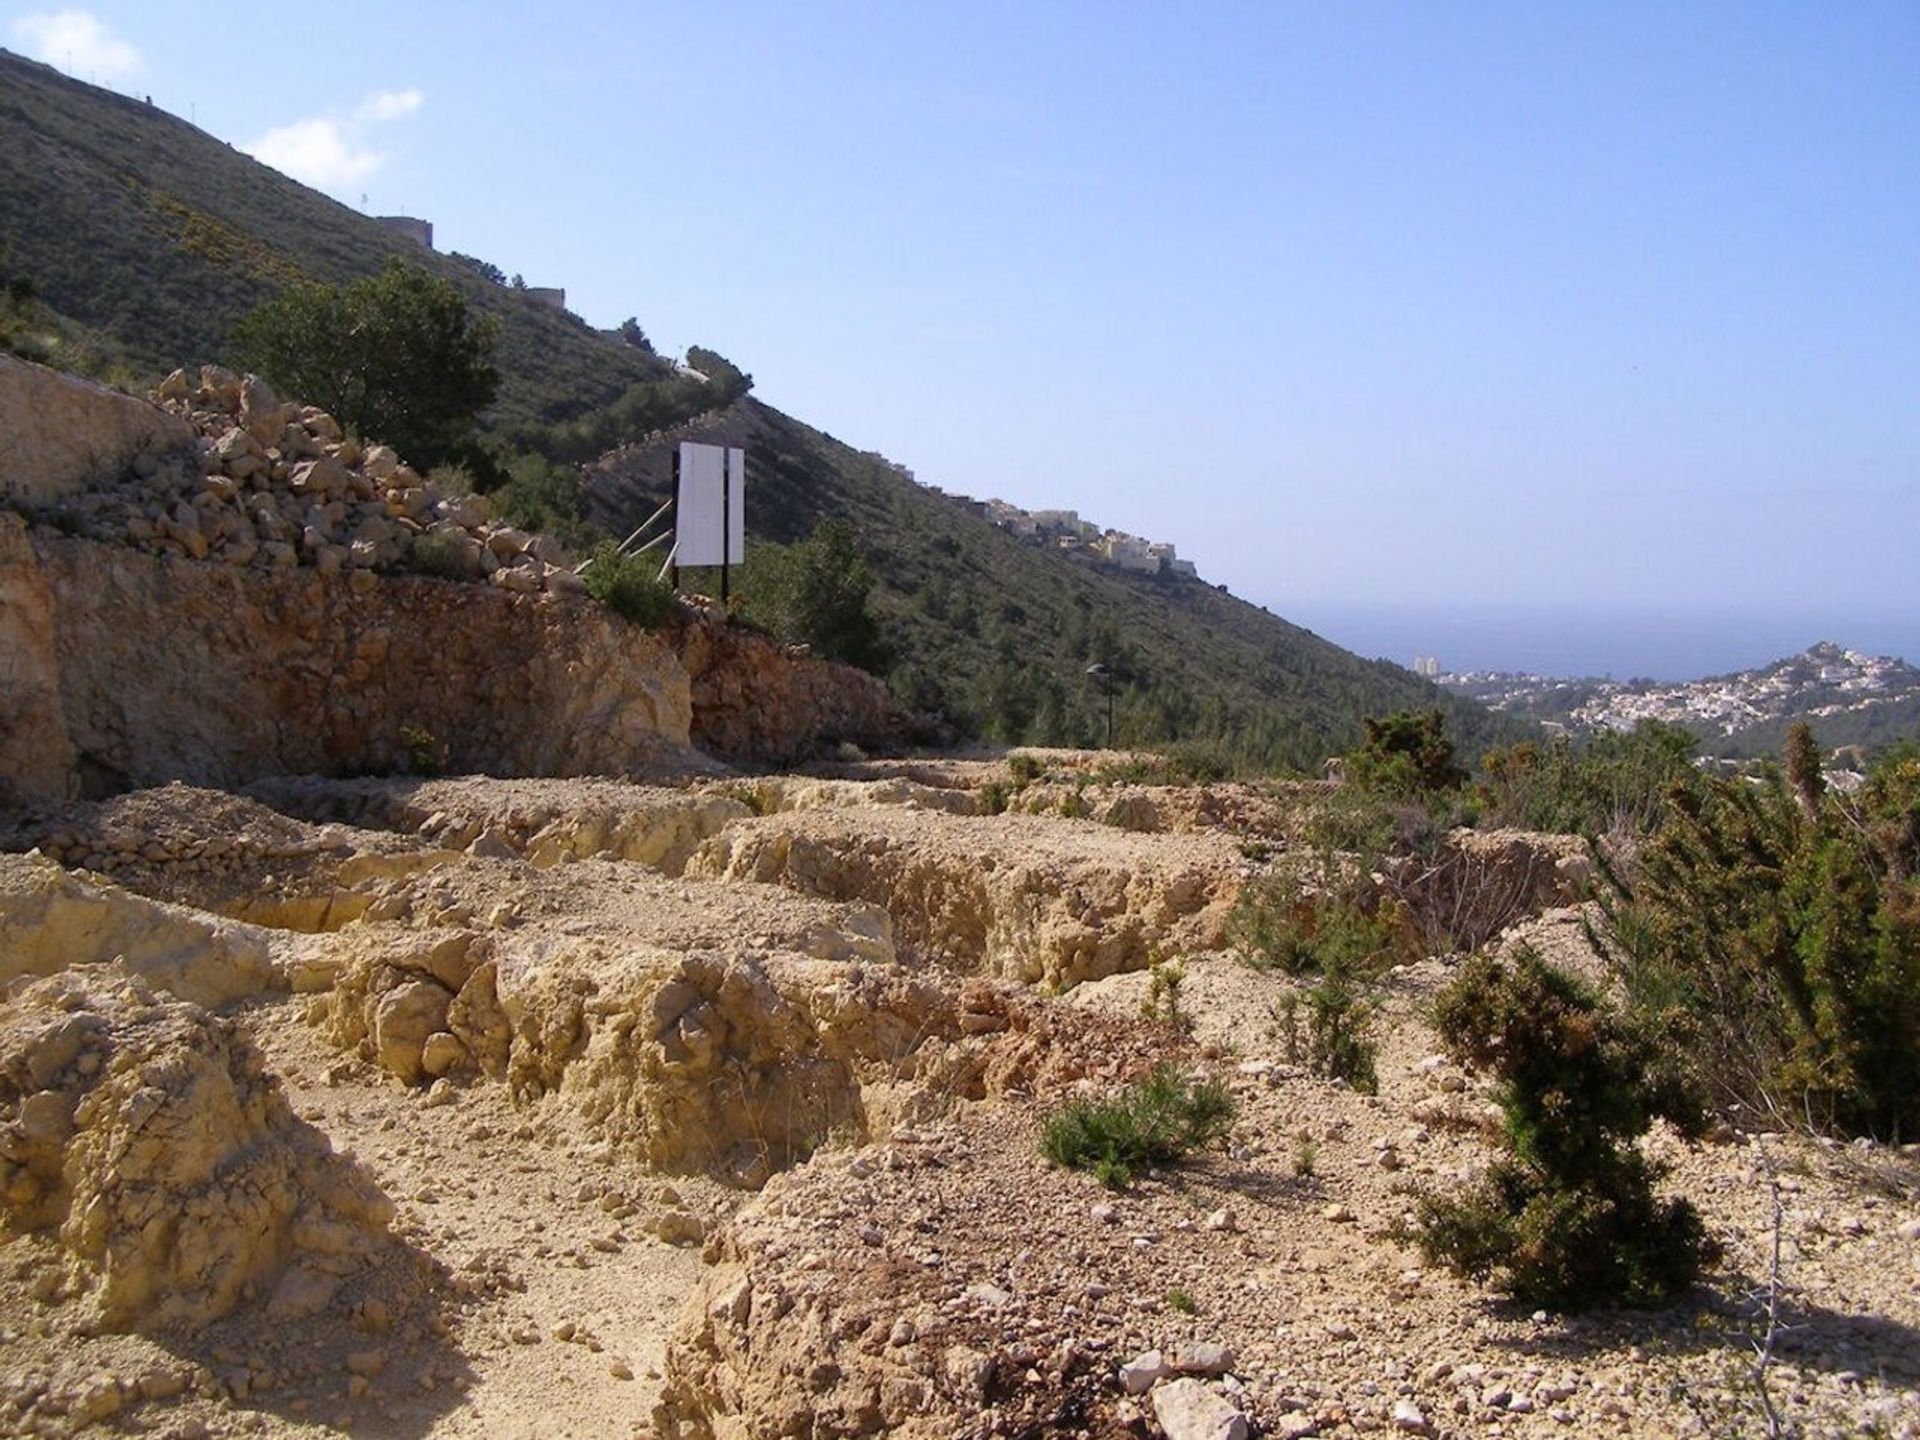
(710, 525)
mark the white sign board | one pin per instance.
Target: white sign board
(710, 509)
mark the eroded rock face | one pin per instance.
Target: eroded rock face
(51, 919)
(1057, 913)
(171, 669)
(36, 757)
(753, 701)
(60, 433)
(148, 1136)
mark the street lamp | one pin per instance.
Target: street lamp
(1101, 673)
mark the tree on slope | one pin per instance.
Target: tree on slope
(395, 357)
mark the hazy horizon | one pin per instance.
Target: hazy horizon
(1425, 309)
(1597, 642)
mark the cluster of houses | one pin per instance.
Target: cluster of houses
(1065, 529)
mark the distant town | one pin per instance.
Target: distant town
(1845, 693)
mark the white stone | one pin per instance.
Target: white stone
(1188, 1410)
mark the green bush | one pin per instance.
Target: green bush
(816, 592)
(1612, 783)
(395, 357)
(1025, 769)
(539, 494)
(629, 585)
(1276, 923)
(441, 554)
(1406, 754)
(1328, 1027)
(1567, 1217)
(1155, 1121)
(1779, 927)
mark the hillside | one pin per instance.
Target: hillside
(1000, 630)
(1849, 698)
(152, 232)
(157, 237)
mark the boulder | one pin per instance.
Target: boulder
(407, 1016)
(1188, 1410)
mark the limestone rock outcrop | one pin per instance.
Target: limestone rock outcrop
(167, 669)
(60, 434)
(1052, 905)
(755, 701)
(51, 919)
(147, 1135)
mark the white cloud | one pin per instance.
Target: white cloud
(315, 151)
(333, 151)
(389, 105)
(78, 43)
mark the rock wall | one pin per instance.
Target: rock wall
(59, 433)
(755, 702)
(170, 669)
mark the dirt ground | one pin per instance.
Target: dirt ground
(719, 1117)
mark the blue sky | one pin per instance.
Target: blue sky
(1394, 309)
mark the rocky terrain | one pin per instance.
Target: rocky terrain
(1848, 697)
(601, 1088)
(705, 1105)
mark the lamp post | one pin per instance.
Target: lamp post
(1104, 676)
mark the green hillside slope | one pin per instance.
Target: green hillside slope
(1000, 630)
(159, 238)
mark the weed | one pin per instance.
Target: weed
(425, 754)
(1154, 1121)
(1162, 1000)
(993, 798)
(1025, 769)
(1306, 1156)
(1181, 1301)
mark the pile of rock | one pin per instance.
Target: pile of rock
(276, 485)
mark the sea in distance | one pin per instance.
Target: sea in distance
(1621, 644)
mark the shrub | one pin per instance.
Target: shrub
(1567, 1218)
(629, 585)
(451, 479)
(1336, 1040)
(1406, 754)
(1612, 783)
(1780, 927)
(1155, 1121)
(441, 554)
(816, 592)
(1277, 924)
(394, 357)
(540, 494)
(1025, 769)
